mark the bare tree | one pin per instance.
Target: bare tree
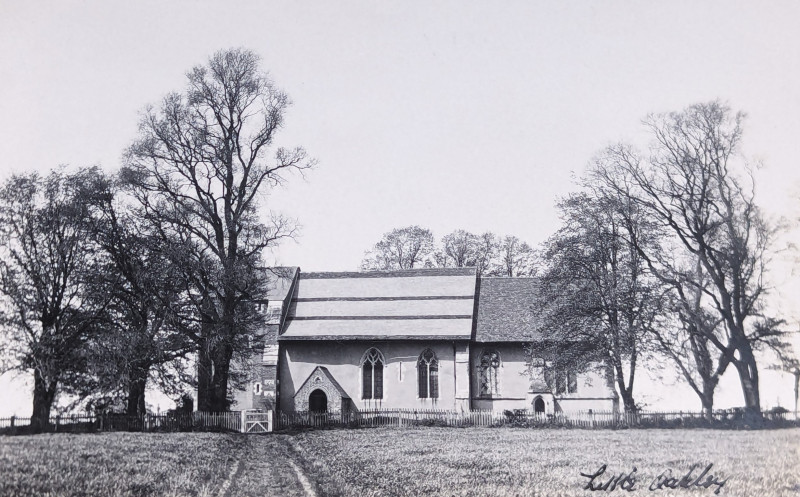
(696, 186)
(596, 295)
(198, 170)
(464, 249)
(53, 302)
(683, 336)
(459, 249)
(514, 258)
(486, 252)
(401, 248)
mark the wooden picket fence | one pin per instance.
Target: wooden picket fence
(257, 422)
(521, 418)
(81, 423)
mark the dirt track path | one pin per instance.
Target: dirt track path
(267, 466)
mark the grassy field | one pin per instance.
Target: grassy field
(409, 461)
(145, 464)
(506, 462)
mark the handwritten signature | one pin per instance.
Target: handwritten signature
(599, 480)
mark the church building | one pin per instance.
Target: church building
(409, 339)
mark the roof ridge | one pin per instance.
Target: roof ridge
(509, 277)
(461, 271)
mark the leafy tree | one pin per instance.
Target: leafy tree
(401, 248)
(54, 303)
(596, 300)
(148, 328)
(198, 170)
(695, 184)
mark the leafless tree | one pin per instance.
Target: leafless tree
(514, 258)
(696, 186)
(198, 169)
(486, 252)
(464, 249)
(53, 304)
(401, 248)
(459, 249)
(683, 335)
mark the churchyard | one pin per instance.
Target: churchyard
(405, 462)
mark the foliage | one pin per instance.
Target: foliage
(596, 301)
(55, 299)
(147, 327)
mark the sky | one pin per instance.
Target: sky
(448, 114)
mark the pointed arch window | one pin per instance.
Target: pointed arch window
(561, 381)
(428, 375)
(487, 373)
(372, 365)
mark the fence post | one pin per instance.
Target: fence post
(12, 421)
(243, 427)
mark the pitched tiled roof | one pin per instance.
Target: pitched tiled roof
(505, 310)
(386, 305)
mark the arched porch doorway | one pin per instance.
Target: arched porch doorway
(318, 401)
(538, 405)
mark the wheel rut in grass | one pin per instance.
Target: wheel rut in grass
(268, 466)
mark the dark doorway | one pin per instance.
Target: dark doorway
(318, 401)
(538, 405)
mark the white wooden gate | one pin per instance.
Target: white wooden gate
(256, 422)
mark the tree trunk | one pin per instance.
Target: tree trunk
(708, 400)
(44, 392)
(627, 400)
(748, 377)
(219, 381)
(625, 392)
(136, 389)
(205, 371)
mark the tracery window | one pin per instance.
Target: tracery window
(487, 373)
(372, 364)
(428, 375)
(561, 381)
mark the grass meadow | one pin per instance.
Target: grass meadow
(145, 464)
(396, 462)
(545, 462)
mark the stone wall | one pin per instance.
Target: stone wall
(318, 381)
